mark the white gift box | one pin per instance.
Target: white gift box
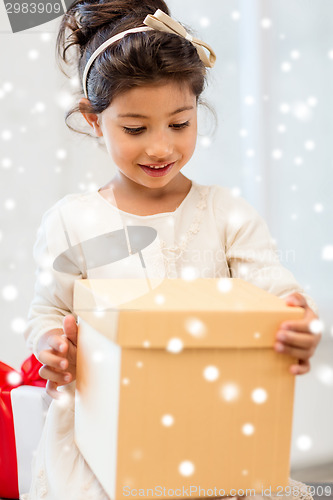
(30, 405)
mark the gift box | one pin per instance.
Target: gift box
(23, 402)
(179, 391)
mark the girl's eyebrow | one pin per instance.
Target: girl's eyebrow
(135, 115)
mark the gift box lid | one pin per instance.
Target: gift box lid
(205, 313)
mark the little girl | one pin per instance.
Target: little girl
(142, 77)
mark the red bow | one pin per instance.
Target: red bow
(10, 379)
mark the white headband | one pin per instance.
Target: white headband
(160, 21)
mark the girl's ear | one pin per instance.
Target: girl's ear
(91, 118)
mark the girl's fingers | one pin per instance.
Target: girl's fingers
(296, 299)
(295, 339)
(53, 360)
(300, 369)
(59, 343)
(70, 329)
(305, 325)
(54, 376)
(51, 389)
(301, 354)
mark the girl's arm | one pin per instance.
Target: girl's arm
(51, 324)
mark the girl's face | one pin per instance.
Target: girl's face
(149, 127)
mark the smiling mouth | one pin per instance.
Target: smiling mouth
(157, 170)
(157, 166)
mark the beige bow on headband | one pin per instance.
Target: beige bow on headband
(160, 21)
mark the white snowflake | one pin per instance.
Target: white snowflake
(304, 443)
(38, 108)
(248, 429)
(211, 373)
(286, 67)
(284, 108)
(74, 82)
(186, 468)
(235, 15)
(9, 293)
(9, 204)
(243, 132)
(266, 23)
(159, 299)
(18, 325)
(45, 278)
(33, 54)
(324, 373)
(6, 163)
(318, 207)
(312, 101)
(61, 154)
(98, 356)
(327, 252)
(259, 395)
(230, 391)
(309, 145)
(195, 327)
(224, 285)
(205, 142)
(167, 420)
(316, 326)
(205, 22)
(64, 99)
(6, 135)
(175, 345)
(294, 54)
(189, 273)
(45, 37)
(277, 154)
(13, 378)
(249, 100)
(301, 111)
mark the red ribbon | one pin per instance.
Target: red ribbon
(10, 379)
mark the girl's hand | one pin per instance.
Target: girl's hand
(57, 352)
(296, 338)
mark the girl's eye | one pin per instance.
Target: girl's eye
(178, 126)
(138, 130)
(133, 131)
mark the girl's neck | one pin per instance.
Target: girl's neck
(139, 200)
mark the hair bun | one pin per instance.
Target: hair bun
(84, 19)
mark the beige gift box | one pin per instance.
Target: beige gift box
(179, 390)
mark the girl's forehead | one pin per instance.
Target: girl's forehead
(161, 98)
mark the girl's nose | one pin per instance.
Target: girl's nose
(160, 146)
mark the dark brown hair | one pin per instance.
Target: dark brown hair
(139, 59)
